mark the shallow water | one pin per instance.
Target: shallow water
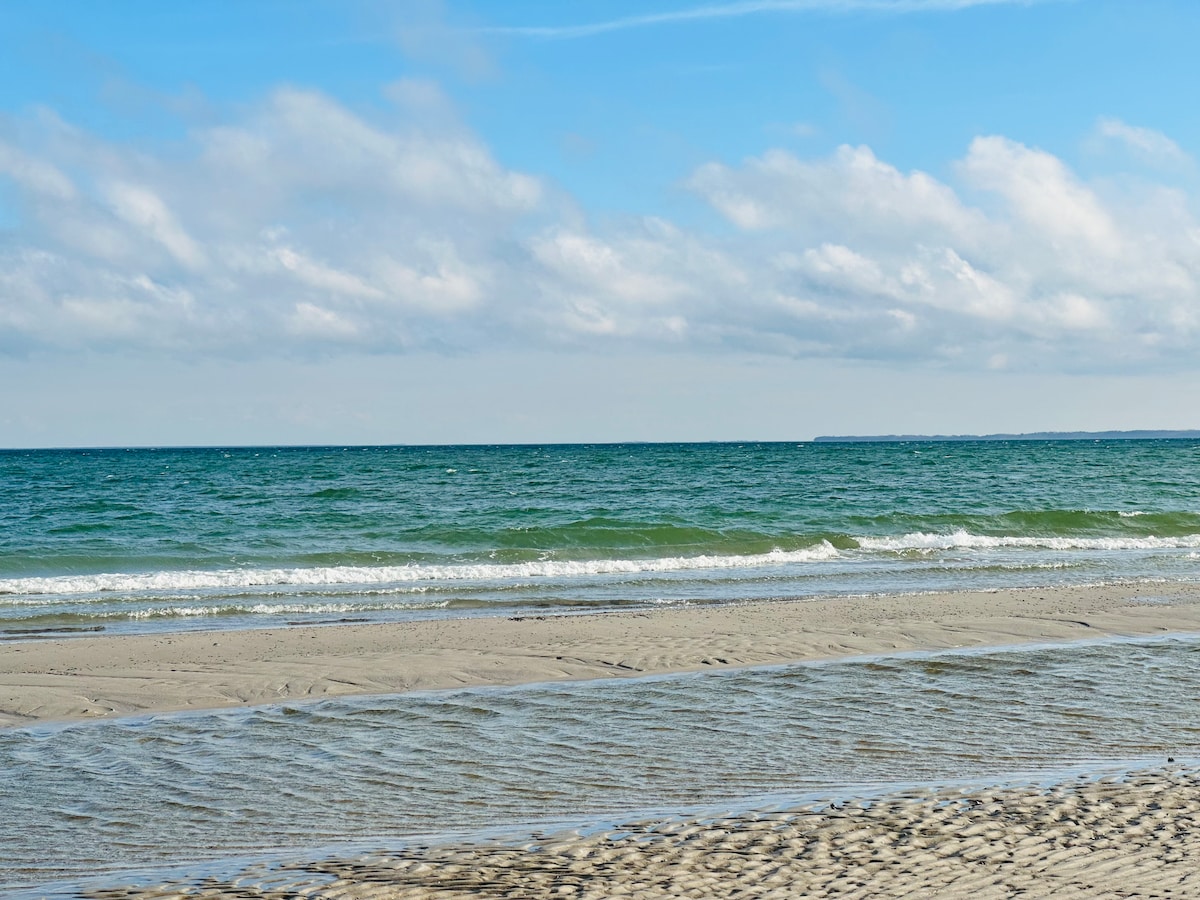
(85, 798)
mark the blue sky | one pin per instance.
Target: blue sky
(326, 222)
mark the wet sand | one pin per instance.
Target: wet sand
(1138, 836)
(90, 677)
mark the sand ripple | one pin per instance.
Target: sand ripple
(1137, 836)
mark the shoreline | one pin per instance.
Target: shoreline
(1133, 834)
(107, 676)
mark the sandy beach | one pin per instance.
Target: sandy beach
(1136, 836)
(90, 677)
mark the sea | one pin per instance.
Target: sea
(122, 541)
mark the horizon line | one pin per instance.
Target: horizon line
(1101, 434)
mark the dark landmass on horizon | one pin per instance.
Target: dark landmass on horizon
(1029, 436)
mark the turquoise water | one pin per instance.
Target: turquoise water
(139, 540)
(136, 540)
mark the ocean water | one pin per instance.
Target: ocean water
(122, 541)
(140, 540)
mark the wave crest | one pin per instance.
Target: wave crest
(354, 575)
(419, 577)
(965, 540)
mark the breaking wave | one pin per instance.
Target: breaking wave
(965, 540)
(344, 575)
(416, 578)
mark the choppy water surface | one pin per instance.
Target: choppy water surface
(129, 540)
(85, 798)
(139, 540)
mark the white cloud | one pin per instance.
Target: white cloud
(1151, 146)
(145, 211)
(35, 175)
(646, 283)
(595, 266)
(1041, 192)
(308, 142)
(301, 218)
(302, 224)
(445, 285)
(1043, 265)
(1077, 312)
(836, 267)
(851, 196)
(322, 278)
(311, 321)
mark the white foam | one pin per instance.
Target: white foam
(371, 575)
(419, 578)
(172, 612)
(965, 540)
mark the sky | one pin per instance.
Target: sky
(472, 221)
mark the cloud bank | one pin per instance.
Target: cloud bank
(304, 227)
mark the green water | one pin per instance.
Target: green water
(129, 540)
(171, 539)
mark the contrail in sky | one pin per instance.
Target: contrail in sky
(749, 8)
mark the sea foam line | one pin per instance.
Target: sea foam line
(345, 575)
(965, 540)
(416, 574)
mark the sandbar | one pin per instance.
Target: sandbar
(99, 676)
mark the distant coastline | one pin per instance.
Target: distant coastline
(1029, 436)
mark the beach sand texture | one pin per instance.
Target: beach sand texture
(1135, 836)
(1138, 836)
(135, 674)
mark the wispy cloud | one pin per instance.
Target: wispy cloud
(1151, 146)
(745, 8)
